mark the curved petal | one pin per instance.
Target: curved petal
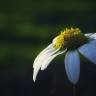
(47, 49)
(89, 51)
(43, 58)
(72, 66)
(91, 35)
(50, 58)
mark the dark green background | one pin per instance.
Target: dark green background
(28, 26)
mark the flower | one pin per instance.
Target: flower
(71, 42)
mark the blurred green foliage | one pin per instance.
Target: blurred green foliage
(27, 26)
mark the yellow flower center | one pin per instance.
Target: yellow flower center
(70, 38)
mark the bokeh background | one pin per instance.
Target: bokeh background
(28, 26)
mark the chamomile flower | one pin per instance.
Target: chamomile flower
(71, 42)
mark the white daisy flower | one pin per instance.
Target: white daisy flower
(72, 41)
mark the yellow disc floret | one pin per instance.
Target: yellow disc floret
(70, 38)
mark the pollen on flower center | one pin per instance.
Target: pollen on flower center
(70, 38)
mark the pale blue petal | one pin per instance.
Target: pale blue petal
(72, 66)
(93, 42)
(89, 51)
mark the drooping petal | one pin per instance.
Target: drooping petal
(48, 48)
(43, 58)
(89, 51)
(91, 35)
(50, 58)
(72, 66)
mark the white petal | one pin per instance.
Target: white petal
(88, 34)
(72, 66)
(35, 72)
(42, 59)
(46, 50)
(49, 59)
(91, 35)
(89, 51)
(54, 41)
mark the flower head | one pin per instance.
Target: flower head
(70, 41)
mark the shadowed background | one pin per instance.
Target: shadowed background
(28, 26)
